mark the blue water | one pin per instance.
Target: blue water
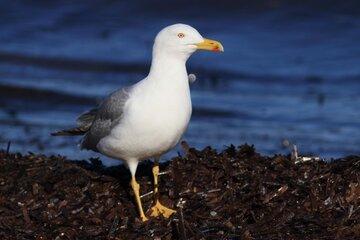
(290, 70)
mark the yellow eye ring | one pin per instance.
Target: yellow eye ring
(181, 35)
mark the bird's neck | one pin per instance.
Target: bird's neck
(168, 67)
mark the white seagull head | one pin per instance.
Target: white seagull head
(182, 40)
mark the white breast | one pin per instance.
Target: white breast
(155, 118)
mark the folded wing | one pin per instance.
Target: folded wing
(98, 122)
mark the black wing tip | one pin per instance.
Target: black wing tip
(69, 132)
(61, 133)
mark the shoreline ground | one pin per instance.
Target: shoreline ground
(234, 194)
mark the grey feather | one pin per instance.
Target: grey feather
(84, 122)
(86, 119)
(108, 115)
(70, 132)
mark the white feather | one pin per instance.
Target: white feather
(158, 109)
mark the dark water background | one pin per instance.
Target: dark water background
(290, 71)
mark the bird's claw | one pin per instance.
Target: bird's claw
(159, 209)
(143, 218)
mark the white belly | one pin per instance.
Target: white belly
(152, 124)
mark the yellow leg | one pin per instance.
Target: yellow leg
(158, 209)
(136, 188)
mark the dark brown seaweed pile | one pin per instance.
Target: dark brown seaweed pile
(235, 194)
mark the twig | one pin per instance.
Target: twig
(164, 173)
(25, 213)
(214, 190)
(146, 194)
(185, 147)
(182, 232)
(294, 153)
(298, 159)
(114, 226)
(277, 193)
(8, 148)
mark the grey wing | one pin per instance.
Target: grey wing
(86, 119)
(107, 116)
(83, 123)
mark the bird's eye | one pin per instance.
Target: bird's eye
(181, 35)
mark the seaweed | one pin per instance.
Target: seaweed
(234, 194)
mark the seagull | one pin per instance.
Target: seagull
(148, 118)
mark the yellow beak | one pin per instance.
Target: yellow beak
(210, 45)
